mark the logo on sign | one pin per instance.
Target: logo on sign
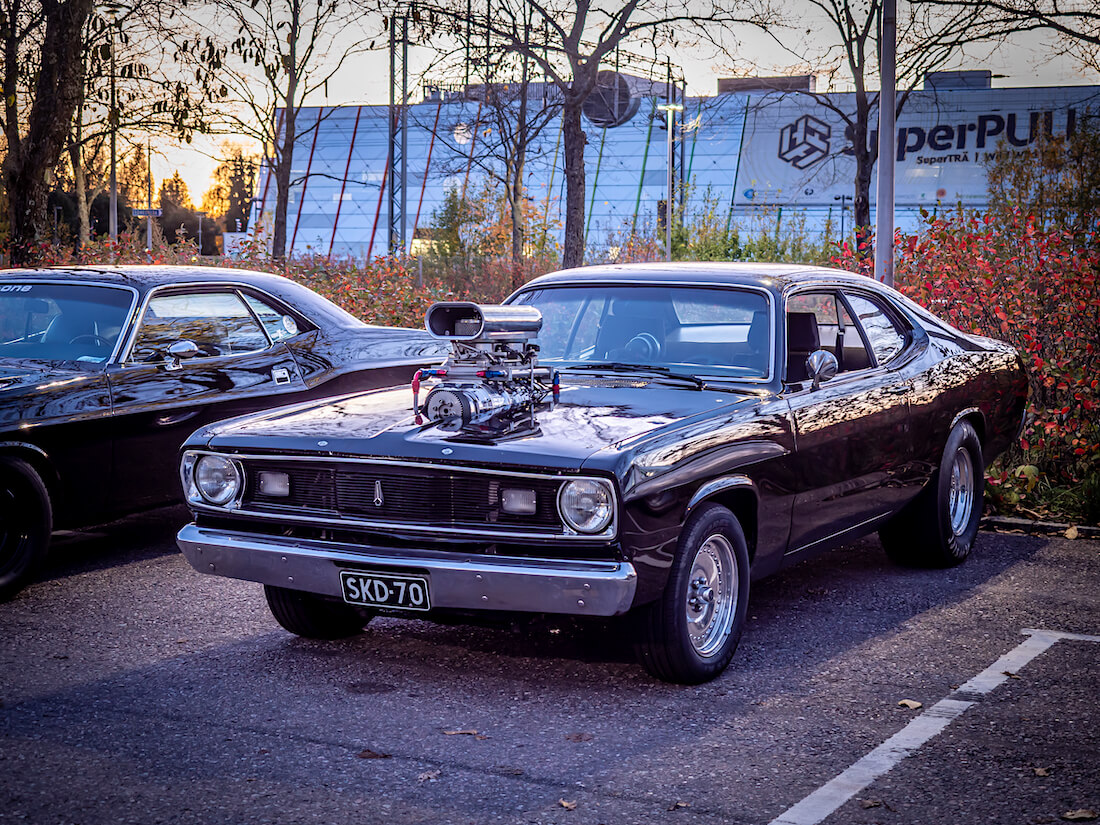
(804, 142)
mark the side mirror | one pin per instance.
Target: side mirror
(178, 351)
(821, 366)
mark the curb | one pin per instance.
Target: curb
(1036, 528)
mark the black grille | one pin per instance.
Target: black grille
(402, 495)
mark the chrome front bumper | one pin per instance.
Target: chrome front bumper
(456, 580)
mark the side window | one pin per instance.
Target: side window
(885, 339)
(217, 322)
(836, 331)
(279, 325)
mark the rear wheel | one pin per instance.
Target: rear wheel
(690, 634)
(312, 616)
(26, 520)
(938, 528)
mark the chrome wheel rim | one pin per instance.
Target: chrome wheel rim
(961, 495)
(711, 597)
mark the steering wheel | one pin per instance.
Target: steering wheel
(643, 346)
(98, 340)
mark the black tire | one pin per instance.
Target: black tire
(676, 648)
(938, 528)
(26, 519)
(312, 616)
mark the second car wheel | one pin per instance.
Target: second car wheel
(312, 616)
(938, 528)
(26, 520)
(690, 634)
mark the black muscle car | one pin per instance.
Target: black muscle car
(105, 371)
(642, 438)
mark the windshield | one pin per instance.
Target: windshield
(694, 330)
(61, 322)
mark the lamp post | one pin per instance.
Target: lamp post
(112, 10)
(843, 208)
(200, 215)
(670, 110)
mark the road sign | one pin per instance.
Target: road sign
(146, 213)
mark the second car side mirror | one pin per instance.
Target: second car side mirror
(178, 351)
(821, 366)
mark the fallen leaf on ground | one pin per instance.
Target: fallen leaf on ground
(1042, 771)
(578, 737)
(569, 806)
(912, 704)
(1071, 533)
(1080, 815)
(460, 732)
(1010, 674)
(509, 770)
(481, 737)
(871, 803)
(367, 753)
(428, 776)
(675, 806)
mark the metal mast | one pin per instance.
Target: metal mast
(399, 131)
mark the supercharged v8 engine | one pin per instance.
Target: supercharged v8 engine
(492, 367)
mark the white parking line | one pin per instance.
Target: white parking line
(830, 796)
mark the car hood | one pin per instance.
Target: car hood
(585, 424)
(35, 392)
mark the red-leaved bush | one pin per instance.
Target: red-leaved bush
(1037, 289)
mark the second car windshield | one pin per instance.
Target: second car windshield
(696, 330)
(61, 322)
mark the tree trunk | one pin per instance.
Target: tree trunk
(517, 223)
(32, 156)
(574, 140)
(864, 157)
(84, 232)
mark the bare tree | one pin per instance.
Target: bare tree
(513, 111)
(574, 37)
(281, 53)
(927, 40)
(1077, 22)
(42, 77)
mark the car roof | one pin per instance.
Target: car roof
(143, 278)
(774, 276)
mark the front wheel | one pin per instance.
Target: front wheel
(26, 520)
(938, 528)
(311, 616)
(690, 634)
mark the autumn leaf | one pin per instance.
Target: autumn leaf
(1041, 771)
(1071, 533)
(569, 806)
(1080, 815)
(675, 806)
(912, 704)
(367, 753)
(470, 732)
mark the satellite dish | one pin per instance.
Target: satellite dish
(610, 103)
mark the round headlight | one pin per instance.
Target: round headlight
(586, 505)
(217, 479)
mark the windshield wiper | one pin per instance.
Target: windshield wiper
(621, 366)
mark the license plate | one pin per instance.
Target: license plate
(384, 590)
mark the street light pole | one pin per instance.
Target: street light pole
(670, 110)
(113, 217)
(887, 100)
(201, 215)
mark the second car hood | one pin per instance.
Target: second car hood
(582, 422)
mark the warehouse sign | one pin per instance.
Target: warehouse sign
(797, 151)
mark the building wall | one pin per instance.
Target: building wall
(744, 156)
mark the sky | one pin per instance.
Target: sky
(1027, 60)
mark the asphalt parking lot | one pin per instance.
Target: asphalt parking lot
(134, 690)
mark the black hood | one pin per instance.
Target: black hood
(585, 422)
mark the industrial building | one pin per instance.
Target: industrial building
(754, 148)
